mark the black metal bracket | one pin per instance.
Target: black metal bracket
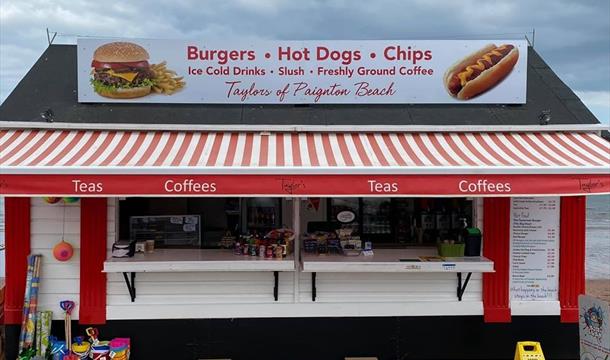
(276, 285)
(313, 286)
(460, 288)
(131, 285)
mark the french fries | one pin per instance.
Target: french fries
(166, 81)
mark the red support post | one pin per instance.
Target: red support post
(571, 255)
(93, 233)
(496, 247)
(17, 248)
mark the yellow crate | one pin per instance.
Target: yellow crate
(529, 350)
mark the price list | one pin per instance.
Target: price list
(534, 248)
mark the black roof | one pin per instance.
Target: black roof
(51, 84)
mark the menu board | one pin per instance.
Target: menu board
(534, 246)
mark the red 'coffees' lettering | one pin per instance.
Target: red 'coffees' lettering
(87, 187)
(397, 53)
(382, 187)
(189, 186)
(220, 56)
(483, 186)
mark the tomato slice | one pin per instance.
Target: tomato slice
(120, 65)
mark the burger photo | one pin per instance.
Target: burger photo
(121, 71)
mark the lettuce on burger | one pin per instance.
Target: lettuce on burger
(121, 71)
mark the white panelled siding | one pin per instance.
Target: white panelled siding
(58, 280)
(239, 294)
(250, 294)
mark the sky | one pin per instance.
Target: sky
(573, 37)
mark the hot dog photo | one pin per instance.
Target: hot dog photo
(480, 71)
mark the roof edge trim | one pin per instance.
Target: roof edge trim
(304, 128)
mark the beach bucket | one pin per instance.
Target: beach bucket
(529, 350)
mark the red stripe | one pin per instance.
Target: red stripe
(441, 150)
(538, 148)
(49, 148)
(490, 150)
(579, 141)
(424, 149)
(392, 148)
(296, 150)
(198, 152)
(570, 148)
(347, 158)
(591, 140)
(311, 149)
(405, 145)
(215, 149)
(66, 149)
(231, 150)
(188, 137)
(577, 156)
(377, 150)
(523, 150)
(124, 138)
(247, 159)
(507, 150)
(328, 151)
(134, 148)
(10, 140)
(97, 153)
(360, 149)
(166, 150)
(474, 150)
(264, 150)
(16, 149)
(33, 148)
(279, 149)
(93, 231)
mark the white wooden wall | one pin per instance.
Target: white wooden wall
(239, 294)
(59, 280)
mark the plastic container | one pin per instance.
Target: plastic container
(451, 250)
(472, 239)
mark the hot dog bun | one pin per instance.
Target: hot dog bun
(487, 79)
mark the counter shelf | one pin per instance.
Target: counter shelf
(194, 260)
(397, 261)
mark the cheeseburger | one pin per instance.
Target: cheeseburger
(121, 71)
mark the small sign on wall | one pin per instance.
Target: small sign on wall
(534, 249)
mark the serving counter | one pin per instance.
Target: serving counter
(396, 260)
(194, 260)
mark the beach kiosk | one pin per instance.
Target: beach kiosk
(361, 200)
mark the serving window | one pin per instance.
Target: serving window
(196, 222)
(402, 221)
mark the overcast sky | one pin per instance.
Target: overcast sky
(573, 37)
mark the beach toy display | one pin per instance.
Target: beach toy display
(67, 306)
(63, 251)
(81, 348)
(58, 348)
(119, 348)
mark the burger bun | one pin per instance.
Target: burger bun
(120, 51)
(128, 93)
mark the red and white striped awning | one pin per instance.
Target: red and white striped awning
(87, 152)
(145, 151)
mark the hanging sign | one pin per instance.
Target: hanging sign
(534, 245)
(302, 72)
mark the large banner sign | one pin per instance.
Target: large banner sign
(328, 185)
(302, 72)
